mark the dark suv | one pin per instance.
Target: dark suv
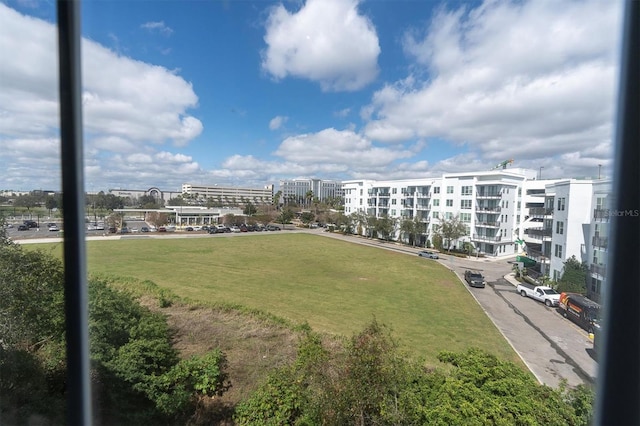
(31, 223)
(474, 279)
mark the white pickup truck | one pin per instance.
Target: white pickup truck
(544, 294)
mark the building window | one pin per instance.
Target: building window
(436, 215)
(394, 190)
(436, 203)
(436, 189)
(448, 215)
(449, 189)
(465, 217)
(465, 204)
(393, 201)
(449, 203)
(559, 227)
(558, 251)
(467, 190)
(560, 204)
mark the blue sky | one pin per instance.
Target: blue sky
(248, 93)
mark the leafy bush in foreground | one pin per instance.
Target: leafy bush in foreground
(371, 383)
(137, 376)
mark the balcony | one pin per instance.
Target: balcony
(488, 224)
(602, 242)
(492, 209)
(598, 269)
(537, 255)
(538, 232)
(489, 238)
(540, 211)
(489, 195)
(601, 214)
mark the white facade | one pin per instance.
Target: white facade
(230, 194)
(575, 222)
(488, 203)
(295, 190)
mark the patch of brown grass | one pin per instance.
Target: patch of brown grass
(253, 347)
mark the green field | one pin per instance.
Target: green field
(335, 286)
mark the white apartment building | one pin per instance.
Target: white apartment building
(575, 222)
(230, 194)
(296, 190)
(488, 203)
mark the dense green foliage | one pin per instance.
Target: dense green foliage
(137, 376)
(574, 277)
(372, 383)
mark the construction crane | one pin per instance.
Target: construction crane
(503, 165)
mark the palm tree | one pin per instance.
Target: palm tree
(308, 197)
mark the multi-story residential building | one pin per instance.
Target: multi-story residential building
(296, 190)
(227, 195)
(599, 239)
(488, 203)
(575, 222)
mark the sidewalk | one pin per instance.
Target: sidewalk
(511, 277)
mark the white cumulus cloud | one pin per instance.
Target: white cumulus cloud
(509, 79)
(326, 41)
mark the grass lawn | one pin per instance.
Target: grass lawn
(335, 286)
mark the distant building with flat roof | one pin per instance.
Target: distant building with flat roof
(230, 194)
(295, 190)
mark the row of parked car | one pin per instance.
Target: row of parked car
(219, 229)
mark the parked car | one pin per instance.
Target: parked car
(113, 230)
(162, 229)
(144, 229)
(428, 254)
(189, 228)
(474, 279)
(235, 229)
(53, 227)
(541, 293)
(23, 227)
(30, 223)
(273, 228)
(125, 230)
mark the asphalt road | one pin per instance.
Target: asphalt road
(552, 347)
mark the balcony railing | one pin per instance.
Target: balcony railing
(488, 224)
(538, 232)
(493, 209)
(600, 242)
(537, 254)
(490, 195)
(601, 213)
(598, 269)
(492, 238)
(540, 211)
